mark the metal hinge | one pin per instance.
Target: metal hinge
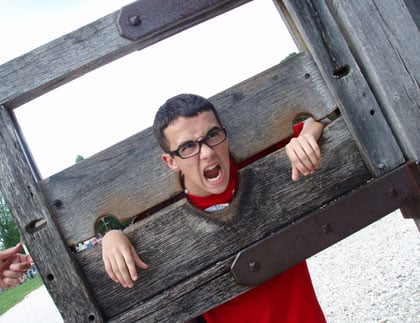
(315, 232)
(149, 17)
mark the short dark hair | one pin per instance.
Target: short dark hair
(182, 105)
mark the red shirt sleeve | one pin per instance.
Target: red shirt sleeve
(297, 128)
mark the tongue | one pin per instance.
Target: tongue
(212, 173)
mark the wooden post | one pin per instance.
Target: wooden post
(363, 116)
(190, 275)
(32, 213)
(385, 40)
(386, 43)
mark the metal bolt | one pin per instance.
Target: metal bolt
(381, 166)
(135, 20)
(326, 228)
(391, 193)
(254, 266)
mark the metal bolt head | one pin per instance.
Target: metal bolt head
(391, 193)
(135, 20)
(326, 228)
(254, 266)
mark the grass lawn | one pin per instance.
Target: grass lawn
(12, 296)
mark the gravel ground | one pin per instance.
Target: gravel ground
(372, 276)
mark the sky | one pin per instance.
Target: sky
(120, 99)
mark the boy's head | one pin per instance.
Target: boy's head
(182, 105)
(189, 131)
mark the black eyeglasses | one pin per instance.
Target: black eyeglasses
(191, 148)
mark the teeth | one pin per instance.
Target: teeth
(211, 167)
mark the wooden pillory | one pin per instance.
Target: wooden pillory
(358, 57)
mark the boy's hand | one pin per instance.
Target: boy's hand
(304, 154)
(120, 258)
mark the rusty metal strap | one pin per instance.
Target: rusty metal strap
(315, 232)
(147, 17)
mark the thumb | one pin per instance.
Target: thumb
(8, 252)
(138, 261)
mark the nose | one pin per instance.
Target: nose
(206, 151)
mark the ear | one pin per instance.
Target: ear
(169, 160)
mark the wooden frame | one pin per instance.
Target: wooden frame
(378, 96)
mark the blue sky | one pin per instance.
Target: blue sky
(108, 105)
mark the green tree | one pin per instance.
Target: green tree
(9, 233)
(109, 222)
(79, 158)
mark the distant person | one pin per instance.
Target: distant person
(13, 266)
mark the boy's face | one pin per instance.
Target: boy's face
(207, 172)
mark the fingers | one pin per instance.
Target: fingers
(13, 266)
(295, 174)
(26, 258)
(8, 282)
(4, 254)
(136, 261)
(304, 154)
(120, 259)
(139, 262)
(12, 274)
(119, 268)
(20, 267)
(109, 270)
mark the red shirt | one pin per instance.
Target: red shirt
(288, 297)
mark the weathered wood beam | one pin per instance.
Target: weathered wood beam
(413, 7)
(129, 178)
(286, 247)
(385, 41)
(39, 231)
(348, 86)
(181, 243)
(96, 44)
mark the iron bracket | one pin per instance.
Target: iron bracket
(150, 17)
(316, 231)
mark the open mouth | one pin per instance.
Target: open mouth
(212, 173)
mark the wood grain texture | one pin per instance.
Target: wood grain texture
(129, 177)
(413, 7)
(348, 86)
(96, 44)
(386, 42)
(35, 219)
(190, 251)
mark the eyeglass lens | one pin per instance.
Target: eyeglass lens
(213, 138)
